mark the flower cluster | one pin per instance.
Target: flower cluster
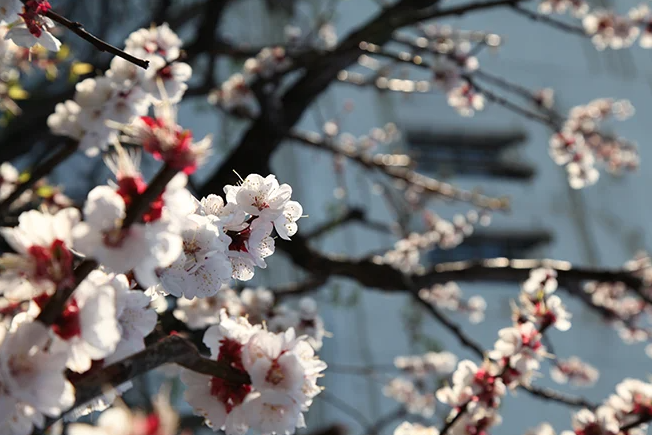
(152, 236)
(449, 296)
(407, 428)
(625, 310)
(223, 240)
(102, 322)
(580, 144)
(578, 8)
(259, 306)
(235, 93)
(283, 371)
(627, 411)
(125, 94)
(440, 233)
(118, 420)
(575, 371)
(28, 25)
(476, 391)
(414, 388)
(607, 28)
(416, 400)
(179, 244)
(610, 30)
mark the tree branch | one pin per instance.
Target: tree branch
(428, 184)
(173, 349)
(78, 29)
(386, 278)
(267, 132)
(39, 172)
(353, 214)
(545, 19)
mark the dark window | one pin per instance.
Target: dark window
(492, 244)
(477, 154)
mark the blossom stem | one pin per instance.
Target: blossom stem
(54, 307)
(644, 419)
(452, 421)
(154, 189)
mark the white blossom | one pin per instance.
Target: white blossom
(32, 379)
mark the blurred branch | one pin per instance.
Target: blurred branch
(353, 214)
(386, 420)
(266, 133)
(384, 277)
(546, 19)
(298, 288)
(42, 170)
(377, 162)
(55, 305)
(340, 404)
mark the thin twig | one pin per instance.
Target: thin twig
(386, 420)
(570, 28)
(551, 395)
(452, 327)
(526, 113)
(449, 423)
(343, 406)
(429, 185)
(352, 214)
(542, 393)
(642, 420)
(78, 29)
(298, 288)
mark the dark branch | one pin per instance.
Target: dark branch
(353, 214)
(39, 172)
(54, 307)
(299, 288)
(78, 29)
(154, 189)
(172, 349)
(376, 162)
(265, 135)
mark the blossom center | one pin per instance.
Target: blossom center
(68, 324)
(169, 143)
(130, 187)
(228, 392)
(239, 240)
(32, 15)
(52, 263)
(275, 373)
